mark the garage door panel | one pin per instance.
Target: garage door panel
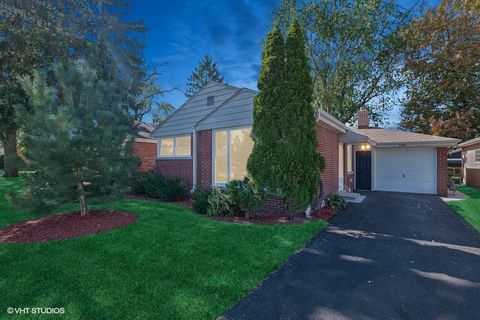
(406, 170)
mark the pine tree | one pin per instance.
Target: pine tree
(205, 72)
(77, 142)
(263, 163)
(300, 163)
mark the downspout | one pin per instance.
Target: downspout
(194, 160)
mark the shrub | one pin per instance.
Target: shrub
(157, 186)
(245, 196)
(200, 200)
(219, 203)
(335, 201)
(138, 182)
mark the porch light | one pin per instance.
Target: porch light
(364, 146)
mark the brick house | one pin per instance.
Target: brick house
(471, 162)
(206, 142)
(144, 146)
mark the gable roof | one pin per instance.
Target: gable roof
(235, 111)
(470, 142)
(183, 119)
(390, 138)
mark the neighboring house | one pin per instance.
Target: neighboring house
(471, 162)
(206, 142)
(145, 147)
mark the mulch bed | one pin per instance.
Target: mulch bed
(266, 218)
(323, 214)
(65, 226)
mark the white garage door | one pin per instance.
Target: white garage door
(406, 170)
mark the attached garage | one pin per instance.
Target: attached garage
(406, 169)
(402, 161)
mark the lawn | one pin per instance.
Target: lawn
(170, 264)
(470, 208)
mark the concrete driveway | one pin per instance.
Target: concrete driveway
(394, 256)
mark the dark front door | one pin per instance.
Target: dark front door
(363, 170)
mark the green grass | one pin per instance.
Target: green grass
(170, 264)
(469, 209)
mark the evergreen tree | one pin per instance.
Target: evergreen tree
(205, 72)
(264, 163)
(300, 163)
(36, 33)
(77, 142)
(284, 157)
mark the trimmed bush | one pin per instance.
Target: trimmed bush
(245, 196)
(157, 186)
(200, 200)
(219, 203)
(335, 201)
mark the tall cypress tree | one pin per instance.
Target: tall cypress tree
(78, 138)
(300, 163)
(264, 163)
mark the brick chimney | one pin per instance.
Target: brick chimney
(363, 118)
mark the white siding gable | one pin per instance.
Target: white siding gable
(236, 111)
(194, 109)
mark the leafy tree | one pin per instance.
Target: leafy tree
(353, 50)
(205, 72)
(300, 170)
(161, 113)
(35, 34)
(78, 141)
(263, 163)
(442, 72)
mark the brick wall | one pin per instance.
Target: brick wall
(442, 172)
(176, 168)
(204, 158)
(273, 205)
(471, 176)
(327, 145)
(147, 152)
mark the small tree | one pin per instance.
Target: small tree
(205, 72)
(77, 141)
(301, 164)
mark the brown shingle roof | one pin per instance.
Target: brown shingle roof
(388, 136)
(143, 130)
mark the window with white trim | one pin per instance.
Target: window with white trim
(179, 146)
(477, 156)
(232, 147)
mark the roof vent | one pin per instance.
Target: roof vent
(210, 101)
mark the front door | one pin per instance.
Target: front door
(363, 170)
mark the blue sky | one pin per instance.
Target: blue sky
(182, 32)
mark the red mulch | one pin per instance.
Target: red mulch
(324, 214)
(65, 226)
(266, 218)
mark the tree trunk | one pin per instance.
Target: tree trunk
(83, 203)
(290, 210)
(10, 150)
